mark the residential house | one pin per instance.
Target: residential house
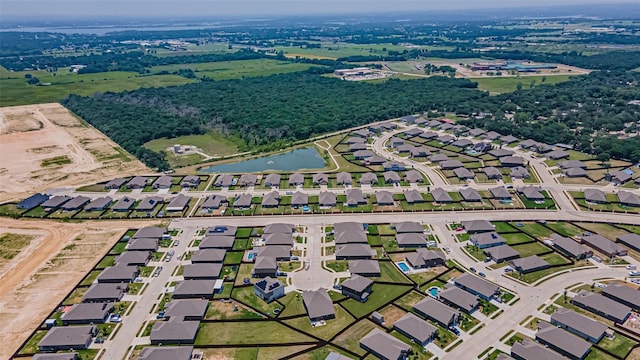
(299, 199)
(166, 353)
(487, 239)
(595, 196)
(178, 203)
(477, 286)
(355, 197)
(619, 177)
(492, 172)
(318, 305)
(55, 202)
(499, 153)
(174, 332)
(105, 292)
(133, 258)
(476, 132)
(115, 184)
(213, 202)
(492, 135)
(512, 161)
(528, 264)
(405, 148)
(413, 176)
(354, 251)
(87, 313)
(530, 350)
(628, 199)
(280, 252)
(248, 180)
(631, 240)
(369, 268)
(217, 242)
(347, 226)
(501, 253)
(570, 248)
(532, 193)
(575, 172)
(56, 356)
(99, 204)
(272, 180)
(327, 199)
(363, 154)
(68, 337)
(463, 173)
(562, 341)
(202, 271)
(119, 273)
(395, 142)
(623, 294)
(391, 177)
(411, 240)
(138, 182)
(437, 158)
(462, 143)
(296, 179)
(451, 164)
(224, 180)
(558, 155)
(356, 140)
(567, 164)
(413, 196)
(459, 299)
(278, 239)
(446, 139)
(363, 133)
(279, 228)
(428, 135)
(393, 166)
(320, 179)
(375, 160)
(438, 312)
(33, 201)
(440, 196)
(269, 289)
(415, 329)
(243, 201)
(384, 198)
(208, 256)
(508, 139)
(190, 182)
(368, 179)
(357, 147)
(271, 199)
(477, 226)
(526, 144)
(344, 178)
(357, 287)
(482, 147)
(419, 151)
(75, 203)
(412, 132)
(604, 245)
(580, 325)
(519, 172)
(423, 258)
(163, 182)
(186, 309)
(602, 305)
(500, 193)
(470, 195)
(149, 203)
(385, 346)
(194, 289)
(265, 266)
(407, 227)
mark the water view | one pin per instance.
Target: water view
(306, 158)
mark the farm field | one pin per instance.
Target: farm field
(238, 69)
(212, 144)
(499, 85)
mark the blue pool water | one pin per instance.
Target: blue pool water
(433, 291)
(250, 256)
(404, 267)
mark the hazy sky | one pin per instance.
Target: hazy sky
(200, 8)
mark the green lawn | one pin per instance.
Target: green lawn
(380, 295)
(326, 332)
(509, 84)
(293, 305)
(619, 345)
(337, 265)
(246, 296)
(348, 339)
(213, 144)
(533, 229)
(503, 227)
(389, 273)
(517, 238)
(247, 332)
(534, 248)
(406, 302)
(32, 344)
(564, 228)
(223, 70)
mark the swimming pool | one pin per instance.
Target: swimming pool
(250, 256)
(403, 266)
(433, 291)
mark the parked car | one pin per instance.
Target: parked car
(116, 318)
(508, 269)
(634, 273)
(631, 267)
(482, 274)
(176, 243)
(473, 270)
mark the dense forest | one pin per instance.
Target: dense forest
(265, 112)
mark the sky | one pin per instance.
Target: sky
(213, 8)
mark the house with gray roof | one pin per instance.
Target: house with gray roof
(87, 313)
(174, 332)
(393, 166)
(272, 180)
(419, 151)
(327, 199)
(143, 244)
(118, 274)
(320, 179)
(462, 143)
(459, 299)
(269, 289)
(501, 253)
(163, 182)
(124, 204)
(428, 135)
(356, 140)
(500, 193)
(405, 148)
(445, 139)
(519, 172)
(75, 203)
(166, 353)
(341, 227)
(412, 132)
(384, 346)
(364, 133)
(526, 144)
(278, 239)
(595, 196)
(355, 197)
(487, 239)
(437, 158)
(557, 155)
(368, 178)
(223, 180)
(482, 147)
(512, 161)
(354, 251)
(411, 240)
(562, 341)
(344, 178)
(470, 195)
(579, 325)
(629, 296)
(212, 202)
(575, 172)
(567, 164)
(628, 199)
(363, 154)
(384, 198)
(149, 203)
(190, 182)
(532, 193)
(476, 226)
(279, 228)
(271, 199)
(248, 180)
(357, 287)
(500, 152)
(389, 125)
(604, 245)
(423, 258)
(451, 164)
(217, 242)
(68, 337)
(299, 199)
(396, 141)
(477, 286)
(438, 312)
(391, 177)
(570, 248)
(202, 271)
(441, 196)
(476, 132)
(296, 179)
(508, 139)
(265, 266)
(138, 182)
(413, 196)
(208, 256)
(530, 350)
(243, 201)
(194, 289)
(631, 240)
(492, 135)
(186, 309)
(280, 252)
(407, 227)
(105, 292)
(415, 328)
(221, 230)
(115, 183)
(463, 173)
(375, 160)
(492, 172)
(55, 202)
(364, 267)
(99, 204)
(56, 356)
(619, 177)
(135, 258)
(602, 305)
(528, 264)
(318, 305)
(413, 176)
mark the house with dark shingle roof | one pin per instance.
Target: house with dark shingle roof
(419, 151)
(477, 286)
(575, 172)
(476, 132)
(437, 158)
(55, 202)
(135, 258)
(407, 227)
(272, 180)
(413, 176)
(415, 328)
(278, 239)
(190, 182)
(208, 256)
(202, 271)
(75, 203)
(438, 312)
(163, 182)
(194, 289)
(271, 199)
(470, 195)
(87, 313)
(562, 341)
(628, 199)
(213, 202)
(56, 356)
(384, 198)
(405, 148)
(269, 289)
(174, 332)
(186, 309)
(99, 204)
(577, 324)
(344, 178)
(595, 196)
(500, 152)
(569, 247)
(137, 182)
(619, 177)
(354, 251)
(223, 180)
(166, 353)
(355, 197)
(318, 305)
(248, 180)
(602, 305)
(68, 337)
(243, 201)
(500, 193)
(356, 140)
(357, 287)
(462, 143)
(492, 172)
(623, 294)
(557, 155)
(364, 267)
(508, 139)
(265, 266)
(327, 199)
(423, 258)
(463, 173)
(519, 172)
(530, 350)
(384, 346)
(149, 203)
(280, 252)
(362, 133)
(124, 204)
(532, 193)
(320, 179)
(115, 183)
(512, 161)
(459, 299)
(631, 240)
(604, 245)
(487, 239)
(178, 203)
(357, 147)
(428, 135)
(501, 253)
(363, 154)
(217, 242)
(413, 196)
(105, 292)
(476, 226)
(528, 264)
(368, 179)
(451, 164)
(411, 240)
(567, 164)
(119, 273)
(299, 199)
(296, 179)
(445, 139)
(391, 177)
(393, 165)
(441, 196)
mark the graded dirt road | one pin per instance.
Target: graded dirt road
(44, 146)
(44, 272)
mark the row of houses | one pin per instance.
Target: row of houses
(161, 182)
(597, 196)
(125, 204)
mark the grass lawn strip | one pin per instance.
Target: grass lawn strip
(247, 332)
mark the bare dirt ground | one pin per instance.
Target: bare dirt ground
(42, 275)
(32, 134)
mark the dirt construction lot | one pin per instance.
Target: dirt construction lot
(44, 272)
(44, 146)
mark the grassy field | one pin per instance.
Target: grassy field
(16, 91)
(380, 295)
(496, 85)
(334, 51)
(213, 144)
(11, 245)
(247, 332)
(326, 332)
(238, 69)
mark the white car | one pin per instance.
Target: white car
(634, 273)
(631, 267)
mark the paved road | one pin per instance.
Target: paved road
(316, 277)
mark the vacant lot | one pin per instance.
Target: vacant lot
(223, 70)
(211, 144)
(56, 149)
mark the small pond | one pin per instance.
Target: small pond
(305, 158)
